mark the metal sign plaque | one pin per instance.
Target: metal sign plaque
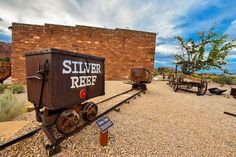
(104, 123)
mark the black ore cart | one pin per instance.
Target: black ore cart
(60, 82)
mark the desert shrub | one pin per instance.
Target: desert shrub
(234, 81)
(2, 88)
(212, 77)
(199, 74)
(9, 107)
(224, 80)
(16, 88)
(6, 59)
(155, 73)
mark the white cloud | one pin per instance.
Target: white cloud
(233, 50)
(231, 56)
(231, 30)
(168, 49)
(159, 16)
(162, 63)
(99, 13)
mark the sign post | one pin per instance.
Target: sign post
(103, 124)
(103, 138)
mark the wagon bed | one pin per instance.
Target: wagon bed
(187, 82)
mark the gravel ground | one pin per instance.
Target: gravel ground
(159, 123)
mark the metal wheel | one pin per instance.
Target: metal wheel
(171, 81)
(143, 86)
(135, 86)
(67, 121)
(90, 111)
(202, 87)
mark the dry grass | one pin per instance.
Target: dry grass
(14, 88)
(9, 107)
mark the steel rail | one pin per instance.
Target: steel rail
(59, 140)
(17, 139)
(113, 96)
(231, 114)
(33, 132)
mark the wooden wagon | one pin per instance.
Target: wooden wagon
(187, 82)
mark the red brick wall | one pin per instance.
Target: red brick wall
(121, 48)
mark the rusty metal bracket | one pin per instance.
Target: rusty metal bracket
(34, 77)
(43, 73)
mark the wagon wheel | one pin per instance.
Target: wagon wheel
(202, 87)
(176, 82)
(171, 81)
(67, 121)
(90, 111)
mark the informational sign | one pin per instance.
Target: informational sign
(104, 123)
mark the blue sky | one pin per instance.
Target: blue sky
(167, 18)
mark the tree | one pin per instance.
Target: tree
(209, 52)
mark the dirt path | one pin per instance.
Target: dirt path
(9, 128)
(159, 123)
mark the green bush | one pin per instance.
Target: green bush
(2, 88)
(9, 108)
(199, 74)
(234, 81)
(16, 88)
(225, 80)
(6, 59)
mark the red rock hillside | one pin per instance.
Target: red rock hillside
(5, 50)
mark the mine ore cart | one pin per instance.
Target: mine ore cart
(59, 83)
(140, 77)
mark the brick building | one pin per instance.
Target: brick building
(122, 48)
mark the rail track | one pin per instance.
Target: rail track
(54, 145)
(230, 114)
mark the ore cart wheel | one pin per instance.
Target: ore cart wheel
(67, 121)
(143, 86)
(202, 88)
(90, 111)
(134, 86)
